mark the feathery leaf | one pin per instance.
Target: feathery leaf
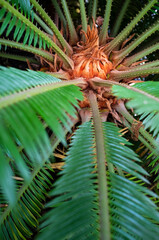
(23, 105)
(74, 212)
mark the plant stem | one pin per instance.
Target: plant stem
(128, 61)
(59, 12)
(73, 34)
(43, 24)
(105, 232)
(94, 9)
(118, 75)
(83, 15)
(146, 65)
(18, 58)
(90, 5)
(120, 18)
(105, 26)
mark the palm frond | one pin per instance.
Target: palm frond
(142, 96)
(15, 20)
(23, 4)
(121, 147)
(24, 105)
(103, 189)
(23, 217)
(12, 21)
(31, 197)
(151, 118)
(134, 216)
(79, 193)
(76, 197)
(41, 53)
(126, 31)
(128, 49)
(143, 100)
(52, 26)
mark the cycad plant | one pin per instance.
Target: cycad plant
(78, 136)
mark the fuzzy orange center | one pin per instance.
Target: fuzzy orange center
(89, 58)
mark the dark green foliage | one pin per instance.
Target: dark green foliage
(21, 123)
(103, 184)
(75, 197)
(23, 219)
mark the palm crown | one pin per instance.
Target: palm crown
(85, 98)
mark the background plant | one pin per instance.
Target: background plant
(104, 188)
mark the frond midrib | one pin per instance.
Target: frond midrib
(28, 93)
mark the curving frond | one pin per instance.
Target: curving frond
(129, 60)
(52, 26)
(39, 52)
(144, 99)
(22, 25)
(150, 122)
(116, 146)
(128, 49)
(75, 212)
(74, 194)
(126, 31)
(125, 214)
(25, 104)
(102, 190)
(22, 219)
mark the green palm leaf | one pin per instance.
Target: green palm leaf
(23, 217)
(25, 105)
(115, 146)
(22, 24)
(75, 211)
(23, 4)
(144, 99)
(102, 192)
(76, 191)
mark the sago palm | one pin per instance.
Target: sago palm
(79, 141)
